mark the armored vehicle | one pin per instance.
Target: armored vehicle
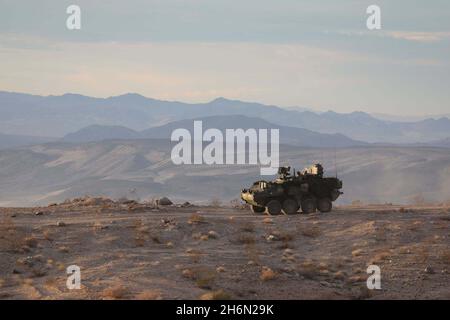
(307, 190)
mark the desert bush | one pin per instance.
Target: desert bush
(310, 232)
(418, 200)
(63, 249)
(149, 295)
(445, 256)
(115, 292)
(357, 252)
(357, 203)
(215, 295)
(248, 227)
(194, 255)
(238, 204)
(215, 203)
(309, 270)
(267, 274)
(11, 237)
(196, 218)
(246, 238)
(204, 277)
(284, 236)
(30, 241)
(47, 235)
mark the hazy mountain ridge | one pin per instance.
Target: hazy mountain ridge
(288, 135)
(59, 115)
(12, 141)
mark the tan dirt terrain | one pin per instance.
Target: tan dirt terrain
(136, 251)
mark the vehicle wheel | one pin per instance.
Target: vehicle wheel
(290, 206)
(324, 205)
(274, 207)
(258, 209)
(308, 206)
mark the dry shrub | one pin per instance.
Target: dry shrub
(216, 295)
(445, 256)
(51, 284)
(268, 220)
(215, 203)
(339, 275)
(284, 236)
(11, 238)
(356, 278)
(142, 234)
(139, 241)
(309, 270)
(149, 295)
(204, 277)
(30, 241)
(39, 272)
(196, 218)
(115, 292)
(380, 257)
(194, 255)
(267, 274)
(357, 203)
(47, 235)
(310, 232)
(246, 238)
(248, 227)
(238, 204)
(363, 293)
(422, 254)
(416, 225)
(418, 200)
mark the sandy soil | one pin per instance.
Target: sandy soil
(139, 252)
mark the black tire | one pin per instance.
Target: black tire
(324, 205)
(309, 206)
(258, 209)
(273, 207)
(290, 206)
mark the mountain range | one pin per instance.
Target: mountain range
(57, 116)
(58, 147)
(288, 135)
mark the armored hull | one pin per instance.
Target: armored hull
(306, 190)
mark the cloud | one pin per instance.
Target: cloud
(419, 36)
(416, 36)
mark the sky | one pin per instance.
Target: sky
(313, 54)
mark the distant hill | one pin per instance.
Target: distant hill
(12, 141)
(100, 133)
(288, 135)
(443, 143)
(32, 115)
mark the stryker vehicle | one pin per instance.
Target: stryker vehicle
(306, 189)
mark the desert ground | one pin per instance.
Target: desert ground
(129, 250)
